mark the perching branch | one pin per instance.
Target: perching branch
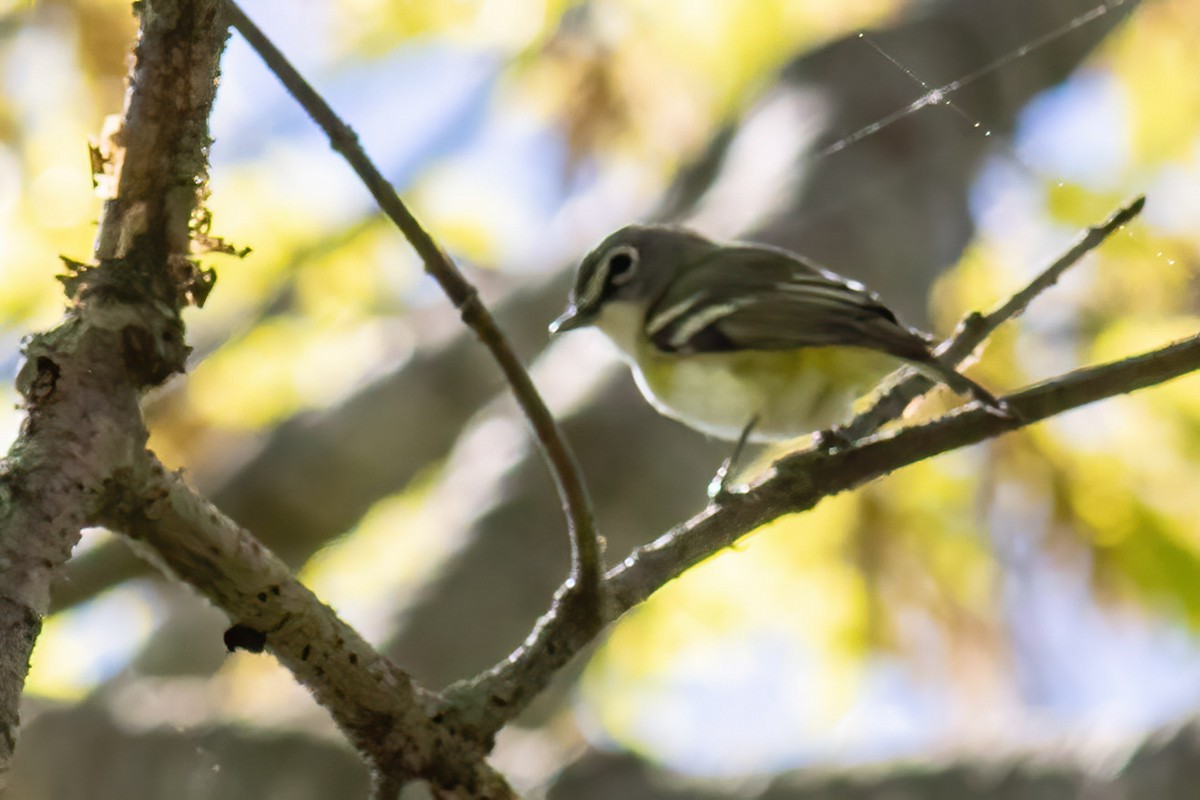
(587, 559)
(976, 328)
(798, 482)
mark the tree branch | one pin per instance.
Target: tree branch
(379, 708)
(81, 458)
(587, 559)
(975, 328)
(122, 332)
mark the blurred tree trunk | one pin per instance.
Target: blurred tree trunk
(114, 762)
(1164, 767)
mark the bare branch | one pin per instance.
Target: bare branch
(154, 161)
(81, 381)
(975, 328)
(375, 704)
(587, 559)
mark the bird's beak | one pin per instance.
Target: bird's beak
(570, 319)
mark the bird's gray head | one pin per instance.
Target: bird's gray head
(634, 265)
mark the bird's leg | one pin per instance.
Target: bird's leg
(718, 489)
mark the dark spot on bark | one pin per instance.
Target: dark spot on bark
(340, 642)
(304, 654)
(148, 363)
(262, 597)
(354, 658)
(243, 637)
(137, 350)
(45, 382)
(275, 590)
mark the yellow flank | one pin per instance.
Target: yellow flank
(792, 392)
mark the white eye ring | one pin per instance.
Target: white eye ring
(628, 273)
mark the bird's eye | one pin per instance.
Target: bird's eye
(621, 265)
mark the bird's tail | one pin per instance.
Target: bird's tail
(963, 385)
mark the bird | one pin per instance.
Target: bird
(741, 341)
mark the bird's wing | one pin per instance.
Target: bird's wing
(753, 298)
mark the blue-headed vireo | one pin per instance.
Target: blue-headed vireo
(720, 336)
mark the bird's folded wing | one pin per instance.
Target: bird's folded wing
(754, 298)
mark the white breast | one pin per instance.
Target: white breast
(622, 323)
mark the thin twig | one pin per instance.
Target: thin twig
(975, 328)
(587, 559)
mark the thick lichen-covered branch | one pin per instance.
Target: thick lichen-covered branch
(381, 711)
(81, 457)
(81, 381)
